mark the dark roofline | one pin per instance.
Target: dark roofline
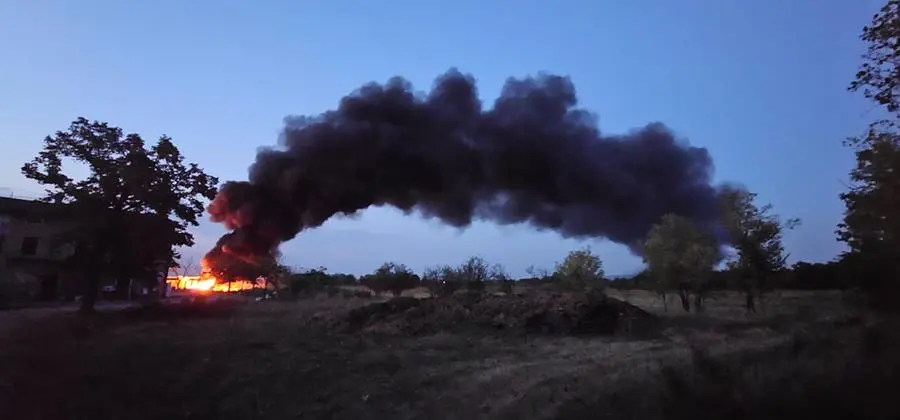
(18, 205)
(25, 208)
(58, 212)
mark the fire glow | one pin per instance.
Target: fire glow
(206, 282)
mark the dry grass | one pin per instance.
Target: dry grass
(285, 360)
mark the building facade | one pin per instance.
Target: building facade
(36, 243)
(32, 251)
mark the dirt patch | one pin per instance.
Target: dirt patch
(549, 313)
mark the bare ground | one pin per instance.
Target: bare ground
(293, 360)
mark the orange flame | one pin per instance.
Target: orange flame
(207, 282)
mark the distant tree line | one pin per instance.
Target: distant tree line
(832, 275)
(581, 270)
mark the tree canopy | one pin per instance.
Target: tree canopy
(681, 255)
(878, 76)
(871, 224)
(755, 233)
(136, 202)
(391, 277)
(580, 269)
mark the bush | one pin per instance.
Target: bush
(391, 277)
(473, 275)
(441, 281)
(581, 270)
(308, 283)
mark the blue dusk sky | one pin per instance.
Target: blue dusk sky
(761, 84)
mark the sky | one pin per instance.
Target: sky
(761, 85)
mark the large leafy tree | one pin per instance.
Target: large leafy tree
(681, 256)
(878, 78)
(872, 219)
(135, 204)
(755, 233)
(871, 225)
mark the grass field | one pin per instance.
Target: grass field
(806, 354)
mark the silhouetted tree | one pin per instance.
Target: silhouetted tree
(308, 282)
(756, 234)
(136, 203)
(580, 270)
(473, 275)
(878, 77)
(818, 276)
(871, 225)
(681, 256)
(275, 274)
(498, 275)
(537, 276)
(391, 277)
(439, 280)
(640, 281)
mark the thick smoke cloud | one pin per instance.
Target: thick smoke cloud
(532, 158)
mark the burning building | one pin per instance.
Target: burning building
(207, 282)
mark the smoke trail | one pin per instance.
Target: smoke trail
(533, 158)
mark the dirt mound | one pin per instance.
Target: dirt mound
(551, 313)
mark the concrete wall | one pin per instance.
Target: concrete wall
(18, 229)
(28, 273)
(22, 219)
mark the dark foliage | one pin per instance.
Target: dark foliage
(843, 273)
(556, 313)
(391, 277)
(135, 205)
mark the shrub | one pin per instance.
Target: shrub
(581, 270)
(391, 277)
(472, 275)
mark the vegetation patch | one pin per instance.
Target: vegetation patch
(551, 313)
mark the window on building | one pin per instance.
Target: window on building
(29, 245)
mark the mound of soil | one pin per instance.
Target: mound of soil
(550, 313)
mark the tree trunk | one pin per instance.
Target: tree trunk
(87, 264)
(665, 301)
(91, 288)
(698, 303)
(68, 284)
(759, 299)
(685, 299)
(122, 284)
(750, 302)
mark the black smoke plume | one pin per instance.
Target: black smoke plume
(533, 158)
